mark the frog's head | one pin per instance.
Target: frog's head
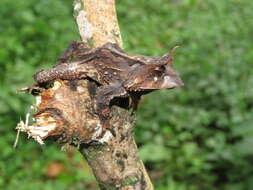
(159, 75)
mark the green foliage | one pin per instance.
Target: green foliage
(193, 138)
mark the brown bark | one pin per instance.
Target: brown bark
(115, 164)
(69, 106)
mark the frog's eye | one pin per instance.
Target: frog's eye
(157, 68)
(160, 68)
(155, 78)
(156, 75)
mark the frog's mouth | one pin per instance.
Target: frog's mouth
(158, 81)
(170, 82)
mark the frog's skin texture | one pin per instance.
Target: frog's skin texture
(117, 73)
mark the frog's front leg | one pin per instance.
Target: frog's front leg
(104, 96)
(66, 71)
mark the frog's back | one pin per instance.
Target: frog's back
(103, 64)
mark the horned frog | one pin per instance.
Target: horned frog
(118, 73)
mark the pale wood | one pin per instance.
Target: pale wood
(99, 22)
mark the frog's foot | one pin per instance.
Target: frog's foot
(104, 96)
(105, 113)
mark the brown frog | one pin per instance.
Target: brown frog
(117, 73)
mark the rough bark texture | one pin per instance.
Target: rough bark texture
(69, 107)
(115, 164)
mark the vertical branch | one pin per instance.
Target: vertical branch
(97, 21)
(116, 165)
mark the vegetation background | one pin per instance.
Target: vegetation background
(199, 137)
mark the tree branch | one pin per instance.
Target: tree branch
(117, 163)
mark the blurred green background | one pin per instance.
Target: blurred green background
(199, 137)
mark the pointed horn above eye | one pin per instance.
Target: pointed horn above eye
(173, 51)
(169, 56)
(167, 59)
